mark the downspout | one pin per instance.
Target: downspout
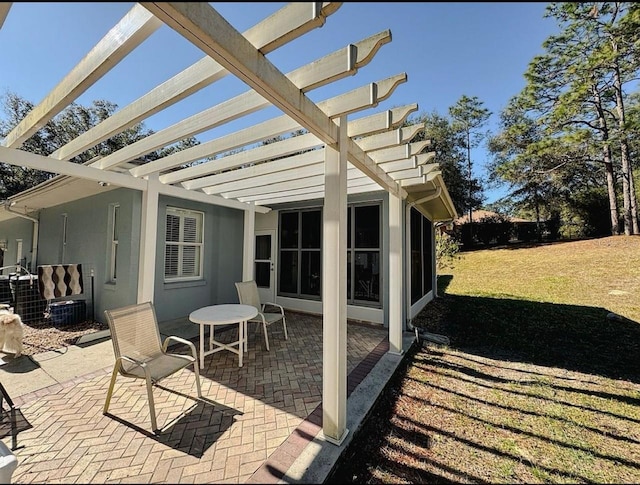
(36, 223)
(426, 198)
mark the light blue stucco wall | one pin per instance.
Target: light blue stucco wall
(11, 231)
(88, 243)
(223, 242)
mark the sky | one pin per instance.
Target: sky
(447, 50)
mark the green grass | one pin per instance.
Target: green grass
(537, 386)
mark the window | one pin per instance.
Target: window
(421, 256)
(363, 253)
(301, 256)
(113, 235)
(183, 245)
(300, 253)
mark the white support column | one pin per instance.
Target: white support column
(334, 292)
(394, 282)
(148, 235)
(434, 262)
(248, 248)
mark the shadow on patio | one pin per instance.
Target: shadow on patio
(251, 425)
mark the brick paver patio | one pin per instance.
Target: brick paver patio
(250, 426)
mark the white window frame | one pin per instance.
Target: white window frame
(63, 238)
(114, 214)
(181, 244)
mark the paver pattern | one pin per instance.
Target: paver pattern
(250, 425)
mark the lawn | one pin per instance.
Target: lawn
(538, 385)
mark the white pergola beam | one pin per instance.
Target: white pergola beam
(22, 158)
(388, 139)
(379, 122)
(291, 21)
(396, 165)
(423, 158)
(355, 100)
(406, 174)
(130, 32)
(399, 152)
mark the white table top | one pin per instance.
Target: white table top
(222, 314)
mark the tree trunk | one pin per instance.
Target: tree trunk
(608, 164)
(630, 216)
(470, 188)
(634, 201)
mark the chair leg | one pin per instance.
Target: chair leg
(197, 375)
(110, 391)
(266, 337)
(152, 408)
(284, 324)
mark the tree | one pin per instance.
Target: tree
(595, 55)
(469, 117)
(60, 130)
(447, 144)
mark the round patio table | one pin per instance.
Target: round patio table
(224, 314)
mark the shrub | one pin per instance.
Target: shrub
(447, 250)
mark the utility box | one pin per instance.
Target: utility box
(68, 312)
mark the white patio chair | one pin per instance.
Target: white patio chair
(140, 354)
(248, 295)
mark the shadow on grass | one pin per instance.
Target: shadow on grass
(572, 337)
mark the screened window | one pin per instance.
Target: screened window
(300, 253)
(114, 236)
(183, 244)
(300, 267)
(421, 256)
(363, 256)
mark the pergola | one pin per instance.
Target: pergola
(333, 157)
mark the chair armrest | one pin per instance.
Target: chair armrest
(275, 305)
(182, 341)
(133, 361)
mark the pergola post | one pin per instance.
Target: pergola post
(334, 291)
(394, 282)
(148, 234)
(248, 248)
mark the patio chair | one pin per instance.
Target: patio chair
(139, 353)
(248, 295)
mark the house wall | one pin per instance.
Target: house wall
(269, 221)
(88, 243)
(10, 231)
(223, 238)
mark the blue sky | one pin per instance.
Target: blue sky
(446, 49)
